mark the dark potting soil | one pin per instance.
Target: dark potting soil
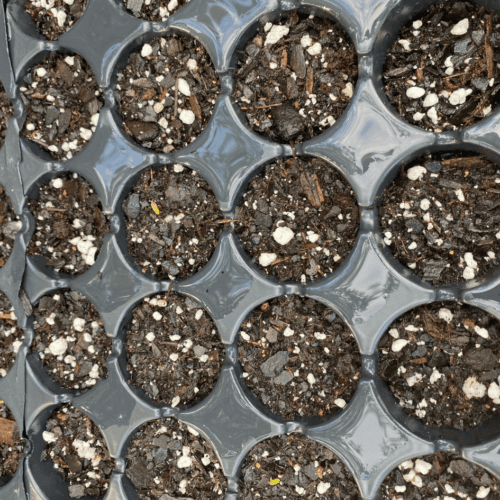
(440, 217)
(11, 445)
(296, 77)
(169, 460)
(6, 111)
(441, 362)
(299, 357)
(295, 467)
(443, 475)
(11, 336)
(54, 17)
(62, 100)
(298, 219)
(167, 92)
(441, 73)
(154, 10)
(9, 226)
(70, 224)
(174, 350)
(71, 340)
(79, 452)
(173, 222)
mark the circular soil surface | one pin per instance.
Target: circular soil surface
(173, 222)
(162, 71)
(295, 467)
(6, 111)
(299, 357)
(296, 77)
(441, 362)
(168, 459)
(440, 476)
(70, 224)
(9, 226)
(62, 100)
(11, 336)
(11, 445)
(154, 10)
(71, 340)
(298, 219)
(54, 17)
(441, 72)
(439, 217)
(79, 452)
(174, 350)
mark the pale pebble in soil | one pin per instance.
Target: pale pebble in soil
(283, 235)
(416, 173)
(276, 34)
(265, 259)
(415, 92)
(473, 389)
(460, 28)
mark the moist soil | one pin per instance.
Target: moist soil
(298, 219)
(154, 10)
(441, 362)
(79, 452)
(6, 111)
(11, 445)
(443, 475)
(296, 77)
(169, 460)
(299, 358)
(295, 467)
(62, 100)
(11, 336)
(9, 226)
(173, 222)
(174, 350)
(71, 340)
(59, 18)
(442, 73)
(70, 224)
(167, 92)
(444, 224)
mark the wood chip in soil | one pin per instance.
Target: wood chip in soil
(167, 92)
(6, 111)
(442, 73)
(298, 219)
(295, 467)
(11, 445)
(441, 362)
(440, 217)
(296, 77)
(298, 357)
(79, 452)
(54, 17)
(62, 100)
(443, 476)
(9, 226)
(174, 350)
(70, 224)
(154, 10)
(11, 336)
(71, 340)
(173, 222)
(169, 460)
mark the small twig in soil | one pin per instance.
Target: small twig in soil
(490, 53)
(170, 289)
(176, 95)
(5, 316)
(264, 107)
(7, 430)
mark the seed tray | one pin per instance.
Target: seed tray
(370, 289)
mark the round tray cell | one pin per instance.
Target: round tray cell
(295, 467)
(168, 459)
(54, 17)
(70, 224)
(62, 100)
(299, 357)
(11, 445)
(441, 72)
(154, 10)
(298, 219)
(6, 111)
(173, 222)
(9, 226)
(439, 216)
(443, 476)
(79, 452)
(11, 336)
(441, 362)
(167, 92)
(174, 350)
(71, 340)
(296, 77)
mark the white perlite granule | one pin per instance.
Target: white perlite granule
(276, 34)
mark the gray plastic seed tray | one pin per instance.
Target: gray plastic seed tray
(372, 434)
